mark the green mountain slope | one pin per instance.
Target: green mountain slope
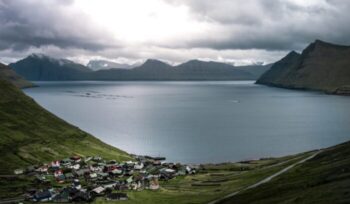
(30, 134)
(323, 179)
(321, 66)
(6, 73)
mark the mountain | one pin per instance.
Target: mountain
(7, 74)
(44, 68)
(31, 135)
(255, 70)
(321, 66)
(197, 70)
(105, 64)
(323, 179)
(38, 67)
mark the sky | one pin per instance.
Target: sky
(128, 31)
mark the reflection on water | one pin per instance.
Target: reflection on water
(197, 122)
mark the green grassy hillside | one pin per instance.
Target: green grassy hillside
(6, 73)
(323, 179)
(30, 134)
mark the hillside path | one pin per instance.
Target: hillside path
(266, 180)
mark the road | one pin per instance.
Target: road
(266, 180)
(13, 200)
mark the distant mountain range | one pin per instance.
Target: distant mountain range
(321, 66)
(43, 68)
(7, 74)
(105, 64)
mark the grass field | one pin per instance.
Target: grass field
(323, 179)
(213, 182)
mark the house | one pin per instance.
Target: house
(76, 159)
(40, 178)
(157, 162)
(98, 191)
(129, 172)
(117, 196)
(136, 185)
(65, 162)
(111, 184)
(74, 166)
(60, 178)
(42, 169)
(190, 170)
(93, 175)
(116, 172)
(58, 173)
(102, 175)
(168, 171)
(56, 163)
(62, 197)
(139, 166)
(76, 184)
(154, 184)
(42, 196)
(81, 196)
(129, 180)
(110, 167)
(18, 171)
(97, 158)
(82, 172)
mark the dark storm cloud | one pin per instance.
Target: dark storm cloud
(270, 24)
(34, 23)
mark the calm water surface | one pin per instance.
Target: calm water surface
(199, 122)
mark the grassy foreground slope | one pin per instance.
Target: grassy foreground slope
(323, 179)
(30, 134)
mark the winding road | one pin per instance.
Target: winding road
(266, 180)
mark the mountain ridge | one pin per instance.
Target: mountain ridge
(48, 69)
(321, 66)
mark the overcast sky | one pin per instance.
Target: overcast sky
(235, 31)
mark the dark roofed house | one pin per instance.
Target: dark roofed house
(81, 197)
(117, 196)
(42, 196)
(82, 172)
(76, 159)
(62, 197)
(102, 175)
(66, 161)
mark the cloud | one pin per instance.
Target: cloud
(34, 23)
(238, 31)
(270, 24)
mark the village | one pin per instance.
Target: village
(83, 179)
